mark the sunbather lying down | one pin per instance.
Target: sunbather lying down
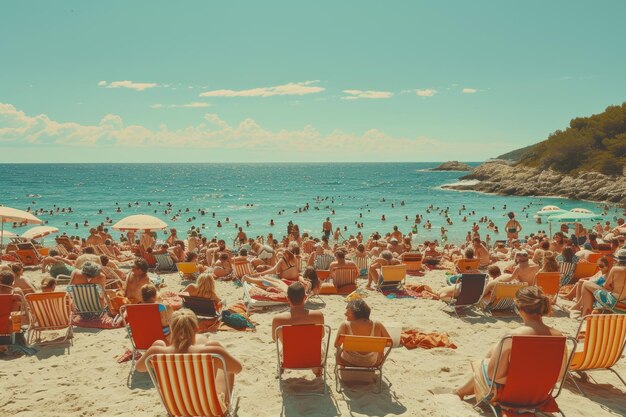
(309, 280)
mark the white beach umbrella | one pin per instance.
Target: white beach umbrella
(581, 210)
(11, 215)
(6, 233)
(549, 211)
(550, 208)
(40, 231)
(140, 222)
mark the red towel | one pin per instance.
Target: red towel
(421, 291)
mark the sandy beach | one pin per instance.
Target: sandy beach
(89, 382)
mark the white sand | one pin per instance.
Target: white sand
(89, 382)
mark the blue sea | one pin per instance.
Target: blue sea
(256, 193)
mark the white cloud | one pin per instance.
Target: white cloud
(289, 89)
(194, 105)
(127, 84)
(356, 94)
(212, 132)
(429, 92)
(470, 91)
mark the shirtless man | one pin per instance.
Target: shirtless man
(340, 262)
(386, 258)
(524, 271)
(94, 238)
(137, 278)
(481, 252)
(241, 237)
(396, 234)
(146, 240)
(298, 313)
(395, 247)
(327, 227)
(557, 243)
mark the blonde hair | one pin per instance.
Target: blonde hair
(532, 300)
(549, 263)
(183, 325)
(205, 287)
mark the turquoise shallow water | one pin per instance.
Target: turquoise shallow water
(228, 190)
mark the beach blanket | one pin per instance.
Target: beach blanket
(413, 338)
(171, 299)
(102, 321)
(268, 294)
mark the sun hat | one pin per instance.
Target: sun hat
(620, 255)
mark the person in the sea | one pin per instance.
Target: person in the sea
(512, 227)
(358, 323)
(184, 339)
(532, 305)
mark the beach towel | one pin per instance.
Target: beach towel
(421, 291)
(171, 299)
(413, 338)
(96, 322)
(268, 294)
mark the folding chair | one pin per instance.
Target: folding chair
(363, 264)
(164, 262)
(321, 265)
(413, 262)
(186, 384)
(585, 269)
(363, 344)
(242, 268)
(471, 291)
(392, 277)
(534, 372)
(143, 324)
(467, 265)
(202, 307)
(187, 269)
(549, 282)
(10, 322)
(299, 347)
(567, 271)
(48, 311)
(603, 338)
(503, 295)
(344, 277)
(88, 298)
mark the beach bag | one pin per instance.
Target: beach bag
(235, 320)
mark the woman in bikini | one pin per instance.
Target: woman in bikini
(512, 227)
(286, 272)
(205, 288)
(183, 327)
(223, 269)
(358, 323)
(531, 304)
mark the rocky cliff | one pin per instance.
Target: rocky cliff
(453, 166)
(499, 177)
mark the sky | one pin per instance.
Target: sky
(285, 81)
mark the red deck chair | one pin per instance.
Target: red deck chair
(532, 382)
(299, 347)
(143, 323)
(9, 323)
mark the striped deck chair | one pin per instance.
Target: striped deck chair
(566, 269)
(502, 296)
(49, 311)
(88, 298)
(62, 251)
(413, 262)
(164, 262)
(65, 242)
(322, 264)
(242, 268)
(343, 276)
(186, 384)
(604, 337)
(363, 263)
(28, 257)
(308, 247)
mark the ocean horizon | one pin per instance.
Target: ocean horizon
(237, 194)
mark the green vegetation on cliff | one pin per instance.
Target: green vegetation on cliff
(595, 143)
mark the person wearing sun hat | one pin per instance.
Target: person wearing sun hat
(614, 289)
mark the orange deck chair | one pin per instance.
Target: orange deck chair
(549, 282)
(604, 336)
(532, 382)
(186, 384)
(363, 344)
(585, 269)
(299, 347)
(9, 322)
(242, 268)
(467, 265)
(413, 262)
(49, 311)
(187, 270)
(392, 277)
(308, 247)
(143, 323)
(503, 295)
